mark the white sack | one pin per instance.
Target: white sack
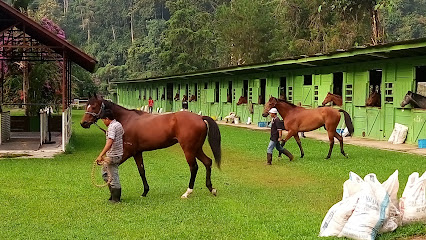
(413, 201)
(399, 134)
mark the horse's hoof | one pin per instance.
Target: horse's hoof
(327, 158)
(187, 193)
(214, 192)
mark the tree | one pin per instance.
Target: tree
(244, 31)
(188, 43)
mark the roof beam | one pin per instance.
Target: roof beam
(379, 55)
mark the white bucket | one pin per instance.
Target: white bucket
(236, 120)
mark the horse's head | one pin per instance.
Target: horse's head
(242, 100)
(193, 98)
(373, 100)
(94, 108)
(327, 98)
(408, 97)
(176, 98)
(185, 98)
(270, 104)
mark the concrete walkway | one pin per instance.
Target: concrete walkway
(365, 142)
(27, 145)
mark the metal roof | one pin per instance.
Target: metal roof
(402, 49)
(10, 17)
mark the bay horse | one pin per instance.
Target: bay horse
(242, 100)
(298, 119)
(416, 100)
(193, 98)
(147, 132)
(334, 98)
(374, 99)
(176, 98)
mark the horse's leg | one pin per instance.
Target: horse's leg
(331, 139)
(296, 137)
(193, 167)
(141, 168)
(340, 138)
(208, 164)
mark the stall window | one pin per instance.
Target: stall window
(169, 91)
(389, 92)
(307, 80)
(375, 80)
(421, 80)
(349, 92)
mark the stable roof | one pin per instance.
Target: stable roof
(402, 49)
(10, 17)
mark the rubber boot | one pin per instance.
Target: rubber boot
(110, 192)
(288, 154)
(269, 159)
(116, 195)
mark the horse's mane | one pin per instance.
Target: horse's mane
(285, 101)
(109, 104)
(335, 94)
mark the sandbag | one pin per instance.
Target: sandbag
(367, 208)
(413, 201)
(399, 134)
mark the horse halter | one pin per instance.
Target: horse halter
(97, 115)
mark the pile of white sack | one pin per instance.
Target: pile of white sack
(369, 207)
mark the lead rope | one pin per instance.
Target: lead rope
(93, 176)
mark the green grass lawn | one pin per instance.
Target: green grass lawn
(54, 199)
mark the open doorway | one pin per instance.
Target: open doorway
(338, 83)
(283, 87)
(245, 88)
(262, 91)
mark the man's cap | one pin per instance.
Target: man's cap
(273, 110)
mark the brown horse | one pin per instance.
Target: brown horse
(374, 99)
(147, 132)
(334, 98)
(193, 98)
(242, 100)
(299, 119)
(176, 98)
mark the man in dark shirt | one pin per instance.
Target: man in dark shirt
(276, 134)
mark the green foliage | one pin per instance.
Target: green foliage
(244, 29)
(188, 44)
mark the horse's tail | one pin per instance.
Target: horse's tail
(348, 121)
(214, 139)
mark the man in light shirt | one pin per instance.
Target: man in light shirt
(114, 152)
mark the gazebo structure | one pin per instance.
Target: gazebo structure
(23, 40)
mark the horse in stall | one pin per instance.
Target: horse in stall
(333, 98)
(298, 119)
(176, 98)
(147, 132)
(416, 100)
(242, 100)
(193, 98)
(374, 99)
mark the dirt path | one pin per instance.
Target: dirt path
(407, 148)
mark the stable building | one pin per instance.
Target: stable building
(390, 70)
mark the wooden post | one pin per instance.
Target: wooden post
(64, 82)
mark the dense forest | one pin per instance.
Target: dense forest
(146, 38)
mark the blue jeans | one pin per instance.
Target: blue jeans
(272, 145)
